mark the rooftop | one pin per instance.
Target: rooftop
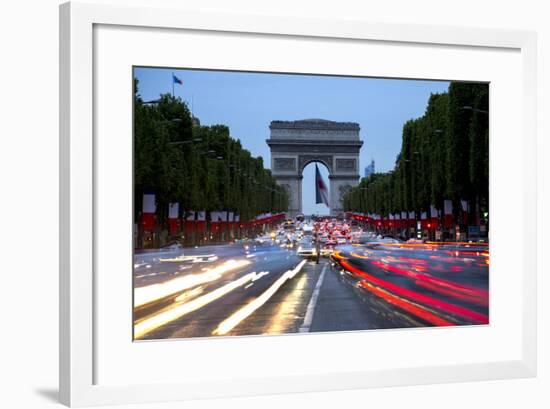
(314, 123)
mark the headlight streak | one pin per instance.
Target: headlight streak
(186, 295)
(236, 318)
(182, 258)
(150, 293)
(173, 313)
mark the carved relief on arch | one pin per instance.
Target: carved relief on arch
(284, 163)
(346, 164)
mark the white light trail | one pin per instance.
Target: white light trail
(235, 319)
(173, 313)
(147, 294)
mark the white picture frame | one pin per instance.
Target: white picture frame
(78, 290)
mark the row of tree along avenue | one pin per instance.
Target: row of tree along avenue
(195, 184)
(439, 187)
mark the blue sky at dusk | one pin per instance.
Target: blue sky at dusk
(248, 102)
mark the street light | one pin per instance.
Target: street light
(471, 108)
(172, 121)
(185, 142)
(414, 153)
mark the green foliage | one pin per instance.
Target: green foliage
(201, 167)
(444, 155)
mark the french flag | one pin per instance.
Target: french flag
(321, 190)
(148, 218)
(176, 80)
(173, 213)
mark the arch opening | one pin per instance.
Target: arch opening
(308, 199)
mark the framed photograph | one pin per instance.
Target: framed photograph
(256, 204)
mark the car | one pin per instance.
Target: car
(362, 239)
(327, 251)
(390, 239)
(289, 226)
(173, 246)
(306, 248)
(263, 239)
(416, 241)
(307, 230)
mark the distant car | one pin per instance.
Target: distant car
(307, 230)
(389, 240)
(378, 240)
(263, 239)
(362, 239)
(289, 226)
(416, 241)
(341, 240)
(306, 248)
(326, 251)
(173, 246)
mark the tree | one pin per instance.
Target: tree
(201, 167)
(444, 155)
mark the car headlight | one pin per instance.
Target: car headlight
(299, 249)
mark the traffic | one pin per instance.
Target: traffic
(265, 284)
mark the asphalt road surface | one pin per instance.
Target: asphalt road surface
(247, 289)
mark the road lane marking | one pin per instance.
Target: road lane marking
(288, 312)
(260, 275)
(240, 315)
(308, 319)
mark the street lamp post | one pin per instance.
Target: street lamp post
(471, 108)
(188, 142)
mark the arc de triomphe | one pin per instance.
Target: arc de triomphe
(295, 144)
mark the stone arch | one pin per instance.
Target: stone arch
(296, 144)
